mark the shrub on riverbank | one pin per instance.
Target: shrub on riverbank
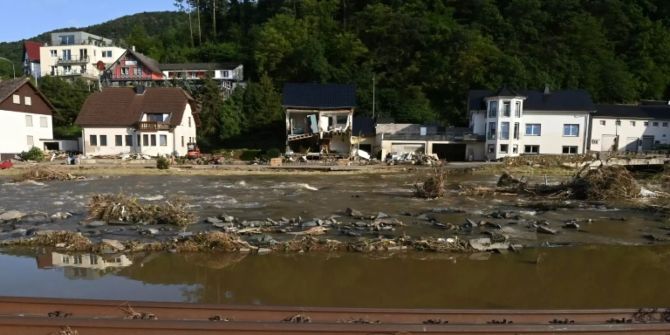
(162, 163)
(433, 186)
(127, 209)
(34, 154)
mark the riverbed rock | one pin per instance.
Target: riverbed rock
(309, 224)
(485, 244)
(34, 218)
(61, 215)
(571, 225)
(227, 218)
(381, 215)
(213, 220)
(149, 231)
(11, 216)
(96, 223)
(546, 230)
(354, 213)
(20, 232)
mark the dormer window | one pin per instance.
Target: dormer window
(493, 108)
(507, 108)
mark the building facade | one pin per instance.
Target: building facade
(152, 121)
(631, 128)
(27, 117)
(132, 68)
(31, 59)
(77, 54)
(531, 122)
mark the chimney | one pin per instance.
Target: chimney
(139, 89)
(546, 89)
(132, 47)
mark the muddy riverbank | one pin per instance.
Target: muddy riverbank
(362, 212)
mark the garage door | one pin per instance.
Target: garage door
(607, 142)
(401, 148)
(647, 142)
(450, 152)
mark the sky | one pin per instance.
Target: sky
(23, 19)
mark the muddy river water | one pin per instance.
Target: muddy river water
(610, 261)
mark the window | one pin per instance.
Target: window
(107, 53)
(570, 130)
(618, 122)
(531, 149)
(67, 54)
(504, 131)
(595, 141)
(533, 129)
(189, 122)
(29, 120)
(163, 140)
(43, 122)
(124, 71)
(504, 148)
(103, 140)
(153, 140)
(129, 140)
(155, 117)
(182, 141)
(118, 140)
(646, 123)
(66, 259)
(603, 122)
(665, 124)
(515, 148)
(492, 131)
(53, 53)
(93, 259)
(29, 140)
(226, 74)
(569, 149)
(507, 108)
(66, 39)
(491, 148)
(145, 140)
(655, 124)
(632, 123)
(139, 143)
(493, 109)
(342, 119)
(93, 139)
(137, 71)
(27, 101)
(16, 99)
(517, 109)
(516, 130)
(77, 259)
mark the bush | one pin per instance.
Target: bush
(249, 155)
(162, 163)
(34, 154)
(273, 153)
(433, 186)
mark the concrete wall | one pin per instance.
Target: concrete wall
(628, 131)
(15, 131)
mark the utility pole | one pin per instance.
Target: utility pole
(373, 96)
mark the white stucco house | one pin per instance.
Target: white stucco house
(25, 117)
(631, 128)
(124, 120)
(531, 122)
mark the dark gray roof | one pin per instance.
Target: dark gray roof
(566, 100)
(653, 111)
(505, 92)
(363, 126)
(324, 96)
(199, 66)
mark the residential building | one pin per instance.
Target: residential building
(132, 68)
(124, 120)
(319, 117)
(77, 54)
(631, 128)
(83, 266)
(31, 58)
(531, 122)
(228, 75)
(27, 117)
(363, 134)
(451, 144)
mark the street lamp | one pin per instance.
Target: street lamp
(13, 70)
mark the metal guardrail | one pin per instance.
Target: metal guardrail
(152, 126)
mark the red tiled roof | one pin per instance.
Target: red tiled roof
(122, 107)
(32, 48)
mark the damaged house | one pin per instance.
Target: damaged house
(319, 118)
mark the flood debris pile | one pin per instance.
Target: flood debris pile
(43, 173)
(605, 183)
(58, 239)
(433, 186)
(121, 208)
(546, 160)
(213, 241)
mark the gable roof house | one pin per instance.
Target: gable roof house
(27, 117)
(132, 68)
(31, 58)
(153, 121)
(319, 117)
(531, 122)
(631, 128)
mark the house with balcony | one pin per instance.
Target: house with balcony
(319, 117)
(27, 117)
(228, 75)
(131, 69)
(31, 58)
(127, 120)
(630, 128)
(531, 122)
(77, 54)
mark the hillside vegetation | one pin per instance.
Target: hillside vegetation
(424, 54)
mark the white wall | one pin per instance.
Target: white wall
(478, 122)
(111, 148)
(14, 131)
(627, 132)
(94, 55)
(184, 130)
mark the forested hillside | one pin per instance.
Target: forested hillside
(423, 54)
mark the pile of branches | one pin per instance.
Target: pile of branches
(42, 173)
(213, 241)
(433, 186)
(121, 208)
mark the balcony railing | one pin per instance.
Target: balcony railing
(72, 60)
(152, 126)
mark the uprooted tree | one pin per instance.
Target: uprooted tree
(432, 186)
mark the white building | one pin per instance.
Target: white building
(631, 128)
(77, 54)
(25, 117)
(531, 122)
(124, 120)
